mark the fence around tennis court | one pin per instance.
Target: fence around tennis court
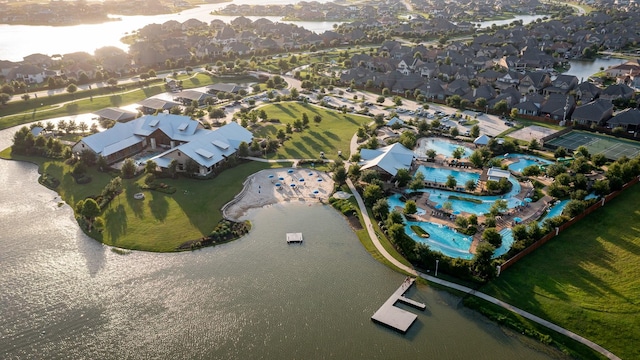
(611, 148)
(531, 248)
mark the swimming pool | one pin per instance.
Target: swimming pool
(440, 175)
(479, 204)
(443, 239)
(442, 147)
(525, 160)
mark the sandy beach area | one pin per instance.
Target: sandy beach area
(272, 186)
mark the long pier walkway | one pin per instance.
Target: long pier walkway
(394, 317)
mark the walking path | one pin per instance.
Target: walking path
(467, 290)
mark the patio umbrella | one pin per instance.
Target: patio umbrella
(310, 174)
(301, 179)
(278, 184)
(517, 219)
(280, 178)
(438, 206)
(319, 180)
(292, 185)
(271, 176)
(290, 171)
(456, 212)
(527, 199)
(316, 191)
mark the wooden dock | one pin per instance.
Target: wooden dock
(294, 238)
(395, 318)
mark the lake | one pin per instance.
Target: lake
(18, 41)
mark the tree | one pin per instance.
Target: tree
(514, 113)
(498, 207)
(128, 168)
(573, 208)
(72, 88)
(534, 144)
(294, 94)
(340, 175)
(451, 182)
(410, 207)
(305, 119)
(492, 236)
(150, 167)
(501, 107)
(112, 82)
(372, 193)
(531, 170)
(380, 99)
(403, 177)
(458, 153)
(481, 102)
(317, 118)
(560, 152)
(83, 127)
(470, 185)
(454, 132)
(381, 209)
(417, 182)
(90, 210)
(431, 154)
(475, 131)
(481, 262)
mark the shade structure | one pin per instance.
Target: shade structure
(290, 171)
(517, 219)
(527, 199)
(438, 206)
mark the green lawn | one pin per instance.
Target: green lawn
(160, 222)
(586, 280)
(333, 133)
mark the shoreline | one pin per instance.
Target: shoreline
(274, 186)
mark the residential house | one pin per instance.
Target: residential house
(617, 91)
(587, 91)
(29, 74)
(187, 97)
(154, 105)
(596, 113)
(562, 84)
(628, 119)
(558, 107)
(534, 82)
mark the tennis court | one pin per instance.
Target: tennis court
(611, 147)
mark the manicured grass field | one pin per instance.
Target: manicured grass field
(160, 222)
(333, 133)
(587, 279)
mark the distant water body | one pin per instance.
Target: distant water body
(17, 41)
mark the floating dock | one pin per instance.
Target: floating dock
(294, 238)
(396, 318)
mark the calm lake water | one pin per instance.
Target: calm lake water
(584, 69)
(18, 41)
(67, 296)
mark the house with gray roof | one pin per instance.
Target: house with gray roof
(617, 91)
(596, 112)
(153, 105)
(124, 140)
(628, 119)
(173, 137)
(116, 114)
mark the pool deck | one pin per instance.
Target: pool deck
(396, 318)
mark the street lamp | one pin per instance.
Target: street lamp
(437, 261)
